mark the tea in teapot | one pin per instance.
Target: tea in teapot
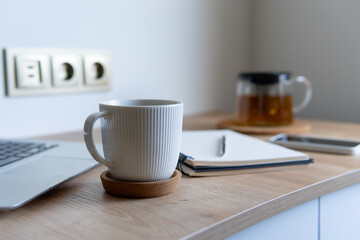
(263, 98)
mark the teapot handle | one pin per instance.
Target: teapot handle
(308, 94)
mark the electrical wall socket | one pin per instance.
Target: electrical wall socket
(37, 71)
(96, 70)
(67, 70)
(31, 71)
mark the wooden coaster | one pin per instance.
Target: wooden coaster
(298, 126)
(140, 189)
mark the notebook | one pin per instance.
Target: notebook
(201, 153)
(31, 168)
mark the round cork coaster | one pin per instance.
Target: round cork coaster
(140, 189)
(298, 126)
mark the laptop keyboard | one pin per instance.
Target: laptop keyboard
(11, 151)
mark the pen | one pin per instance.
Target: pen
(222, 146)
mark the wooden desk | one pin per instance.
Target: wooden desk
(202, 208)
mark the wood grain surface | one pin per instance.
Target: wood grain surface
(201, 208)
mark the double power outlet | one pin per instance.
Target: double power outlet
(37, 71)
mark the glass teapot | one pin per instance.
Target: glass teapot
(263, 98)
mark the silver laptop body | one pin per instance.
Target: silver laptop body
(29, 177)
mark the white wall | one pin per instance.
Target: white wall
(316, 38)
(190, 50)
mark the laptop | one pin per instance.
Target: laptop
(30, 168)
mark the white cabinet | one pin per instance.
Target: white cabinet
(331, 217)
(340, 214)
(298, 223)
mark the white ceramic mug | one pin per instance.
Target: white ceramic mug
(141, 138)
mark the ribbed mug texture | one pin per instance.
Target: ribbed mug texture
(143, 141)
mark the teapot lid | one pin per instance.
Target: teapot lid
(264, 77)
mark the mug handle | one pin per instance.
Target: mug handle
(308, 94)
(89, 139)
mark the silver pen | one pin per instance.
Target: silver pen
(222, 146)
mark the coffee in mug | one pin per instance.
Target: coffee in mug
(141, 138)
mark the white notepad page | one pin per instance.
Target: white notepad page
(204, 146)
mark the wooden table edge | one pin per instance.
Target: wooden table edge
(254, 215)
